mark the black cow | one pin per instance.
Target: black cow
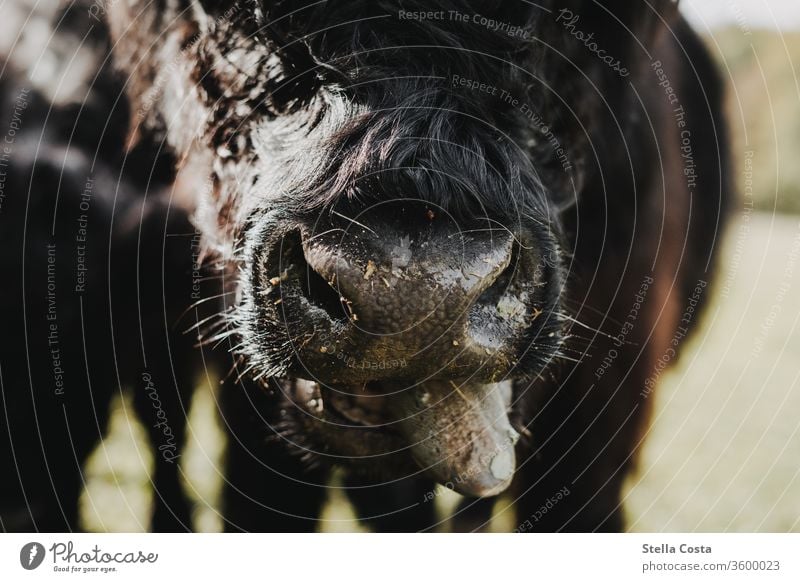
(457, 244)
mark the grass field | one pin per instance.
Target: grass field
(723, 453)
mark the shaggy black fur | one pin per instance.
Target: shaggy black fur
(292, 110)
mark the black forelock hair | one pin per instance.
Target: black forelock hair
(409, 132)
(428, 148)
(415, 134)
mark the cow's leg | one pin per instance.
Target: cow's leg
(44, 442)
(268, 486)
(473, 515)
(56, 389)
(56, 363)
(573, 482)
(162, 404)
(400, 506)
(164, 379)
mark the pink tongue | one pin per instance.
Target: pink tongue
(460, 436)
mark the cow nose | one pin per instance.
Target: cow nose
(407, 294)
(395, 281)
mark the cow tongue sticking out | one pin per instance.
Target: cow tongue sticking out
(460, 435)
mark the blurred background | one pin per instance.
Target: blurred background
(723, 452)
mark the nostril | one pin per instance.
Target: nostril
(322, 293)
(494, 294)
(501, 310)
(312, 286)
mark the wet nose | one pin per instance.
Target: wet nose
(425, 282)
(407, 294)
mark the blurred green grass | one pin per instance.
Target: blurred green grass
(723, 453)
(762, 68)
